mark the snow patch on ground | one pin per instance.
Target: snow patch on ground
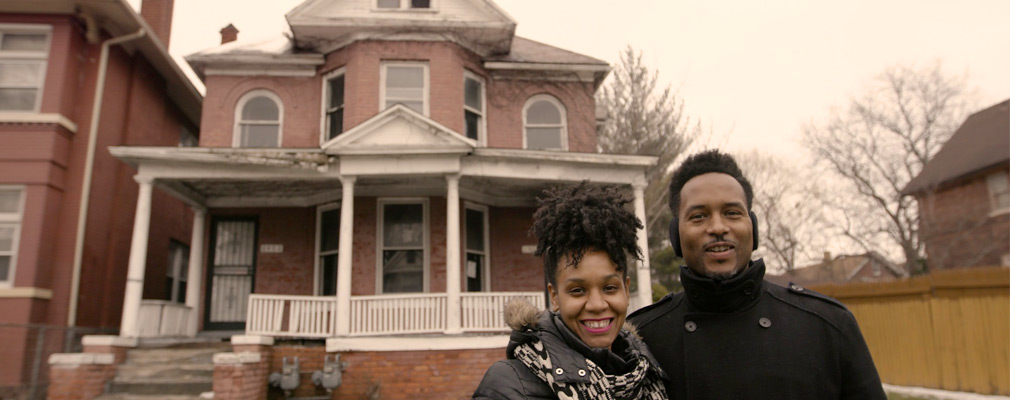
(939, 394)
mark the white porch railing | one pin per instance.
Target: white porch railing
(484, 312)
(296, 316)
(396, 314)
(161, 318)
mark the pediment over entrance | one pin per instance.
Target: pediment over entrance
(399, 131)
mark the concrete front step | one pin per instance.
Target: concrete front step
(124, 396)
(190, 387)
(174, 355)
(139, 372)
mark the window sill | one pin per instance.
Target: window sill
(1001, 211)
(25, 293)
(22, 117)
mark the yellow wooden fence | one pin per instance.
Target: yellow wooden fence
(946, 330)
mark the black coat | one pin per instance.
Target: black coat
(746, 338)
(510, 379)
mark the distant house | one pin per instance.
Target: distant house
(78, 76)
(869, 267)
(964, 194)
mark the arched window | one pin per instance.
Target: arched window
(258, 119)
(544, 124)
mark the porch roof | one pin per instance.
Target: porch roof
(233, 177)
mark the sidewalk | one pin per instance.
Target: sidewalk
(939, 394)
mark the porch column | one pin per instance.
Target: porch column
(453, 322)
(195, 275)
(138, 257)
(344, 256)
(644, 274)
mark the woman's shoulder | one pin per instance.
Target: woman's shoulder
(511, 380)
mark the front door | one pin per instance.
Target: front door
(231, 273)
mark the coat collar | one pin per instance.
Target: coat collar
(726, 296)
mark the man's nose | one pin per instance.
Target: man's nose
(717, 225)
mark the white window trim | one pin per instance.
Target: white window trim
(382, 82)
(487, 243)
(324, 128)
(379, 237)
(317, 274)
(482, 127)
(42, 56)
(236, 140)
(992, 196)
(564, 119)
(405, 7)
(16, 219)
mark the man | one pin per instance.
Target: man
(731, 334)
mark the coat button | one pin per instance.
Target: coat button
(582, 372)
(795, 287)
(559, 371)
(765, 322)
(748, 288)
(690, 326)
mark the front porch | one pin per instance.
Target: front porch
(380, 315)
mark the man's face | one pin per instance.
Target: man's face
(715, 229)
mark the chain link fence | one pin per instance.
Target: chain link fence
(24, 356)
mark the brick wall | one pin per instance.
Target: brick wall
(511, 270)
(957, 227)
(362, 62)
(82, 382)
(395, 375)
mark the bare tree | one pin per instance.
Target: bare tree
(646, 120)
(790, 218)
(879, 143)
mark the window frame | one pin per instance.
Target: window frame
(563, 126)
(380, 238)
(486, 268)
(317, 276)
(405, 6)
(482, 125)
(426, 92)
(324, 123)
(174, 270)
(41, 57)
(15, 219)
(237, 127)
(994, 207)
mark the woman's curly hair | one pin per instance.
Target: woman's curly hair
(574, 219)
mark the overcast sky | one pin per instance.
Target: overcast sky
(752, 71)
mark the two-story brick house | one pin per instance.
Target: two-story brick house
(964, 194)
(370, 180)
(78, 76)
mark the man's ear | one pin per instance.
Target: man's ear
(555, 305)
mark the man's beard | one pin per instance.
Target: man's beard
(725, 275)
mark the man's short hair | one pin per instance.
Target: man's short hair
(575, 219)
(703, 163)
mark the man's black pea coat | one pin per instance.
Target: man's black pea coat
(745, 338)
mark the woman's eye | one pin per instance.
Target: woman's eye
(611, 288)
(575, 291)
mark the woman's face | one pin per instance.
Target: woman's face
(592, 298)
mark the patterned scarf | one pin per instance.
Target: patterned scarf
(634, 385)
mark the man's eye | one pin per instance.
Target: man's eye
(695, 216)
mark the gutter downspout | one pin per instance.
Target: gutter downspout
(89, 164)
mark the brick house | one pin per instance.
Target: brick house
(964, 194)
(868, 267)
(78, 76)
(368, 183)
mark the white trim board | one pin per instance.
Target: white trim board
(416, 343)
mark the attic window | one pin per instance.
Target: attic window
(403, 4)
(999, 191)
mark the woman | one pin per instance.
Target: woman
(582, 348)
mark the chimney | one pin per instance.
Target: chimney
(229, 34)
(158, 14)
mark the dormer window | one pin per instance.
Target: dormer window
(333, 107)
(405, 83)
(403, 4)
(473, 106)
